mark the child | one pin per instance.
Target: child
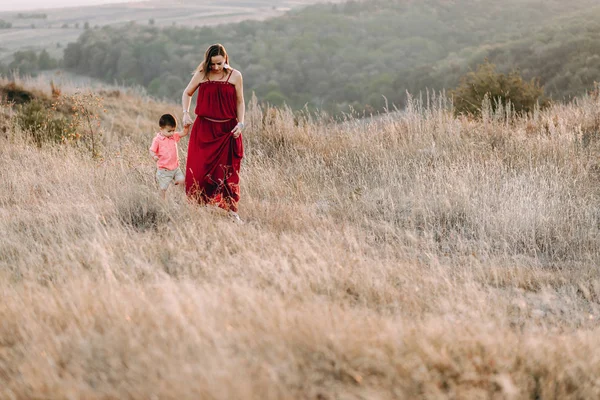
(164, 151)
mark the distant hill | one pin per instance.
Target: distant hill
(53, 29)
(358, 54)
(564, 54)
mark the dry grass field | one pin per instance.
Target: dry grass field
(64, 25)
(415, 256)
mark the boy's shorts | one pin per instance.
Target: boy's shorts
(165, 177)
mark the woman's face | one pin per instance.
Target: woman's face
(217, 63)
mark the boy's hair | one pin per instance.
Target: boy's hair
(167, 120)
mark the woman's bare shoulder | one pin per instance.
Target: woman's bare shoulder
(197, 77)
(235, 76)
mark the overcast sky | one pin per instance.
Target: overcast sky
(16, 5)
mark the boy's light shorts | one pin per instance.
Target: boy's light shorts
(165, 177)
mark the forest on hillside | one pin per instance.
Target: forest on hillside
(564, 55)
(360, 55)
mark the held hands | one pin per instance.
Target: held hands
(237, 131)
(187, 119)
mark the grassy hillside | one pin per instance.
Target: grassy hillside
(408, 257)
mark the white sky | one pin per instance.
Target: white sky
(22, 5)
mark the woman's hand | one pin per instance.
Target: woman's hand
(187, 119)
(237, 131)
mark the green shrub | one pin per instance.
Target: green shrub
(500, 88)
(61, 118)
(43, 123)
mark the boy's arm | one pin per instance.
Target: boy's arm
(185, 132)
(153, 149)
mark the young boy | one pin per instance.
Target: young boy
(164, 151)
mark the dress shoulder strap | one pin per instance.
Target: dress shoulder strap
(231, 73)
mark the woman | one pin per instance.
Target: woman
(215, 149)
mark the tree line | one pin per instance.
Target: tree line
(356, 55)
(29, 62)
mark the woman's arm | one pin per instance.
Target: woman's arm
(241, 105)
(186, 98)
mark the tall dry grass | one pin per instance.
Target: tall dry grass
(412, 256)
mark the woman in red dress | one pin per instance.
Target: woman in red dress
(215, 148)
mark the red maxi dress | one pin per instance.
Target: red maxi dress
(214, 156)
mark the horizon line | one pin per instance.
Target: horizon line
(95, 3)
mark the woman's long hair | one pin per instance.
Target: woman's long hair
(213, 51)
